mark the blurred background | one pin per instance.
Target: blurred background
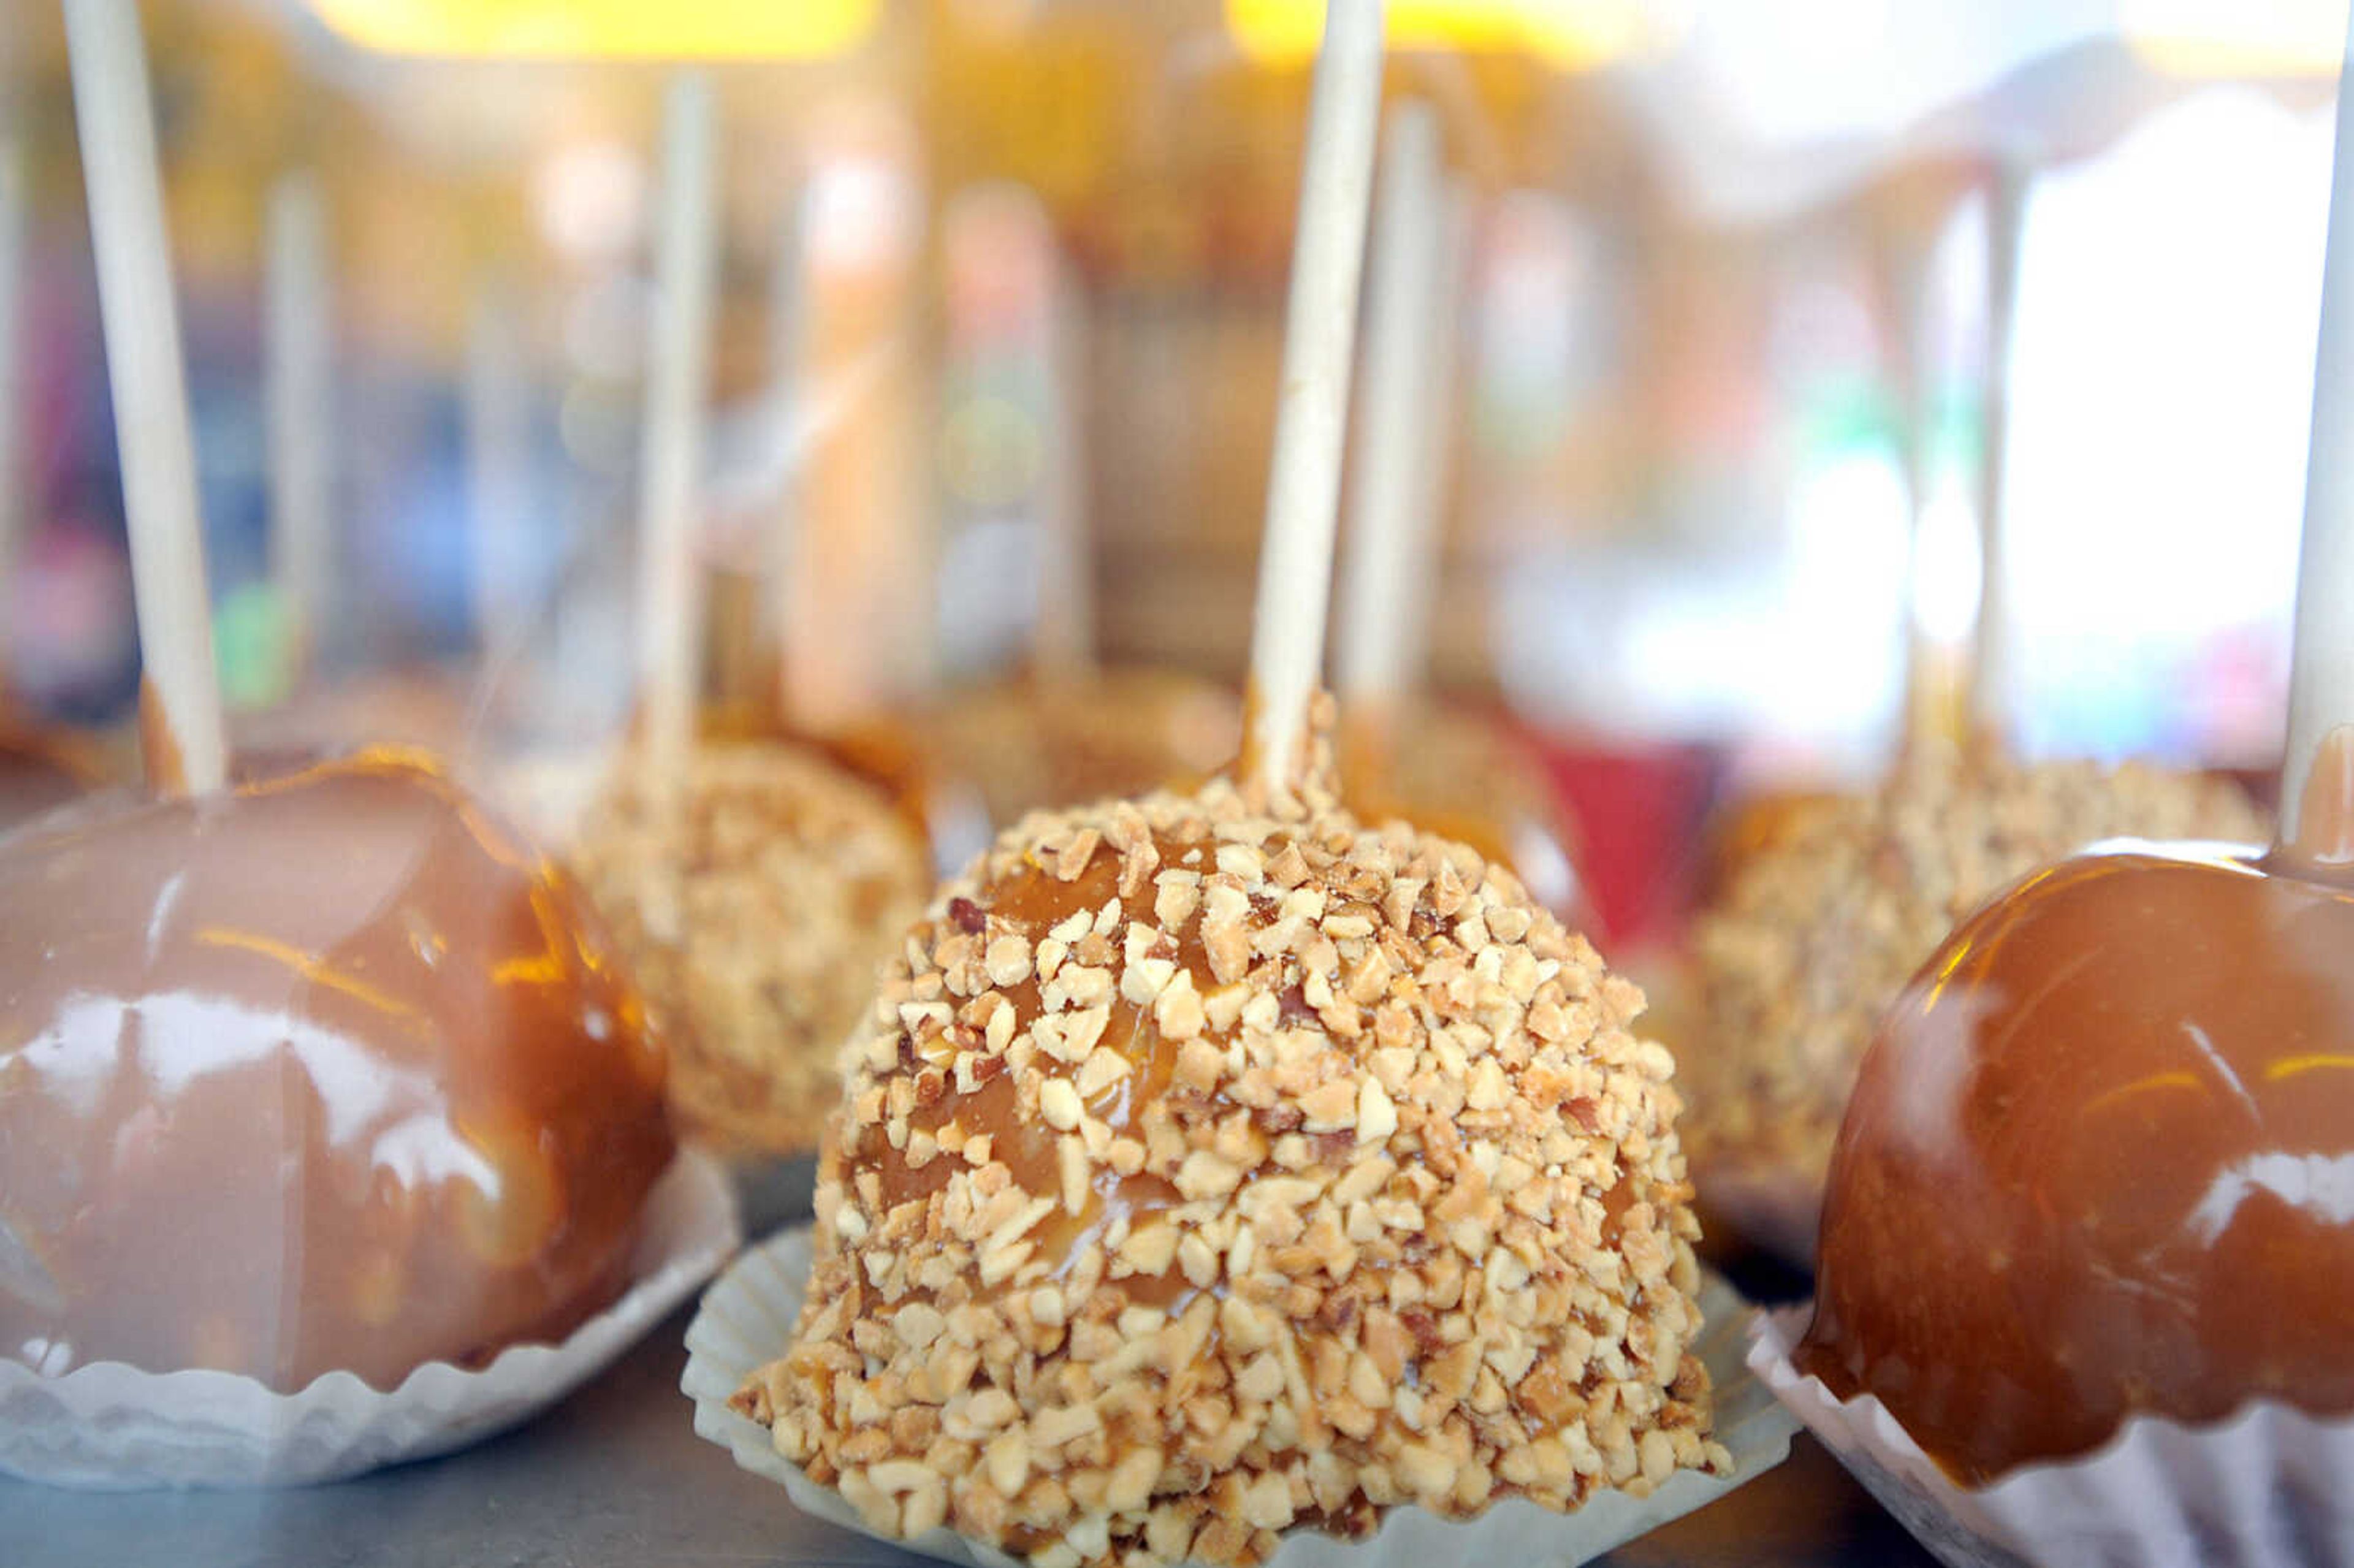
(1732, 398)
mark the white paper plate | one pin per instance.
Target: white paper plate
(2270, 1488)
(747, 1318)
(112, 1426)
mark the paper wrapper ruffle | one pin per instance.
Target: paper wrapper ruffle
(108, 1426)
(2270, 1488)
(747, 1320)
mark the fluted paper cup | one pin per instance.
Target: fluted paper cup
(747, 1320)
(114, 1427)
(2269, 1488)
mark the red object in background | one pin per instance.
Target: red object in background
(1641, 811)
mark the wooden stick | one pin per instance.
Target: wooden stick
(1387, 580)
(2321, 675)
(1990, 671)
(298, 390)
(788, 333)
(1067, 589)
(498, 463)
(13, 225)
(1320, 331)
(181, 718)
(677, 383)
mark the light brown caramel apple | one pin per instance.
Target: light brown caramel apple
(2100, 1163)
(328, 1072)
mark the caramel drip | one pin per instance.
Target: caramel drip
(2320, 843)
(1034, 903)
(336, 1055)
(2098, 1163)
(159, 747)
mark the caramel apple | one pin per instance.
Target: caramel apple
(1207, 1168)
(327, 1073)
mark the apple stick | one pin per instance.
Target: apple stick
(13, 225)
(788, 331)
(2314, 832)
(1067, 608)
(298, 388)
(1312, 415)
(1396, 478)
(1989, 673)
(180, 698)
(498, 462)
(677, 377)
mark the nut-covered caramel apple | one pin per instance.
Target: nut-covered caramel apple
(754, 907)
(2100, 1163)
(1206, 1170)
(324, 1073)
(1817, 932)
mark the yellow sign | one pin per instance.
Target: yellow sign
(2238, 38)
(663, 29)
(1570, 35)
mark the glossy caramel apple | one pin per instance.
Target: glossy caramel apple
(329, 1072)
(2100, 1163)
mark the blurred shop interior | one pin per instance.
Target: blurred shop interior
(1729, 398)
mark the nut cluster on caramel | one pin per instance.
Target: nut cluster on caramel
(1204, 1172)
(1820, 930)
(754, 916)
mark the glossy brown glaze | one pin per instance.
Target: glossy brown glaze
(2101, 1162)
(324, 1073)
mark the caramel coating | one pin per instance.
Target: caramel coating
(1204, 1173)
(755, 917)
(1038, 743)
(1820, 929)
(2101, 1162)
(325, 1073)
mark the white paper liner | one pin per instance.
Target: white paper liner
(2270, 1488)
(108, 1426)
(746, 1320)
